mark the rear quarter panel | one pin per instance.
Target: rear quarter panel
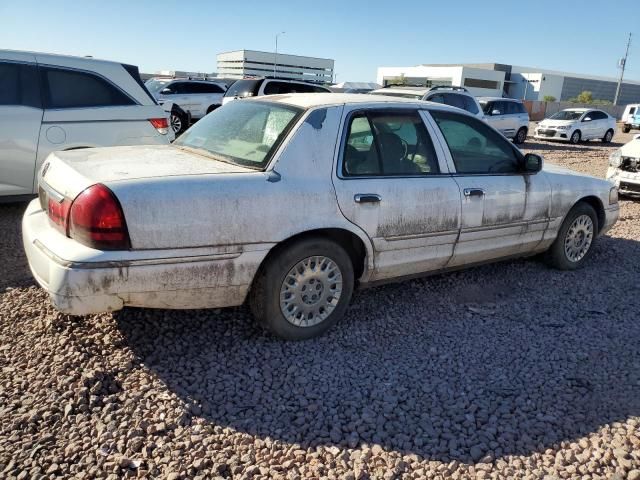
(242, 209)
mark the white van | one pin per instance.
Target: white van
(631, 117)
(54, 102)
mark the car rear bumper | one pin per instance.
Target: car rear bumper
(95, 281)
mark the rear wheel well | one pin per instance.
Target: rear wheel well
(596, 203)
(353, 245)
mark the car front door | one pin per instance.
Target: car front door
(20, 118)
(504, 211)
(392, 181)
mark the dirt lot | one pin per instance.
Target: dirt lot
(506, 371)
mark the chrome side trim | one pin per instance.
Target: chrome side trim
(420, 235)
(134, 263)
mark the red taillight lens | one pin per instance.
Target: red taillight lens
(160, 124)
(96, 220)
(59, 213)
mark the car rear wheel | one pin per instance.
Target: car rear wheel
(521, 136)
(626, 129)
(211, 108)
(178, 124)
(575, 240)
(608, 136)
(304, 289)
(575, 137)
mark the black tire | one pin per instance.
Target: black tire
(608, 136)
(626, 129)
(178, 123)
(556, 256)
(521, 136)
(211, 108)
(575, 137)
(264, 298)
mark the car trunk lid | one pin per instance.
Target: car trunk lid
(68, 173)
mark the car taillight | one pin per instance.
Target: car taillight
(160, 124)
(58, 213)
(96, 220)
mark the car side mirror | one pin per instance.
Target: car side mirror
(166, 91)
(587, 119)
(533, 163)
(496, 112)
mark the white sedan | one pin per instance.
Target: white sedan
(577, 124)
(291, 201)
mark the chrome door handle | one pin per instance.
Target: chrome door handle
(473, 192)
(367, 198)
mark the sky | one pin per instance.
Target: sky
(587, 36)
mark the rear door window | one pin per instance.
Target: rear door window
(244, 88)
(19, 85)
(77, 89)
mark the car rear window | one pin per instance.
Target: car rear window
(244, 88)
(243, 133)
(77, 89)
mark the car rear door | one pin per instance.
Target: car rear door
(392, 182)
(504, 212)
(20, 119)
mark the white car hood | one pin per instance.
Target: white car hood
(70, 172)
(631, 149)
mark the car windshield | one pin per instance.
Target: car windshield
(243, 133)
(154, 85)
(567, 115)
(415, 96)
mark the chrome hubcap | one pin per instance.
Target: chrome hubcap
(176, 123)
(575, 137)
(608, 136)
(579, 238)
(310, 291)
(521, 136)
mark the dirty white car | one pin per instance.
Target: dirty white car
(624, 168)
(290, 201)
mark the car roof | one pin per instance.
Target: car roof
(53, 57)
(491, 99)
(313, 100)
(410, 90)
(578, 109)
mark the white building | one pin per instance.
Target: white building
(241, 63)
(479, 81)
(495, 79)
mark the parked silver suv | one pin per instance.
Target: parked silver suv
(458, 97)
(197, 97)
(507, 116)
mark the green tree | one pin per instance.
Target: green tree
(549, 98)
(585, 97)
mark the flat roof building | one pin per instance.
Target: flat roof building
(497, 79)
(243, 63)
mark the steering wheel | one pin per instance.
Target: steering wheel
(405, 147)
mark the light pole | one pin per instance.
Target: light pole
(275, 56)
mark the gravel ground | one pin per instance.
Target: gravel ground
(510, 370)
